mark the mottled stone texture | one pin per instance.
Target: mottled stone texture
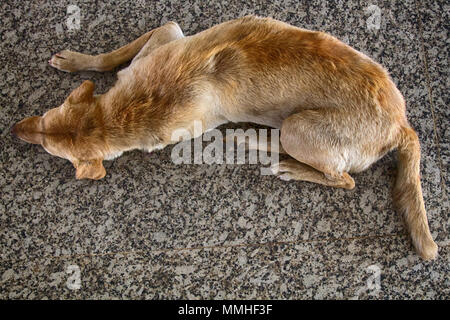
(153, 229)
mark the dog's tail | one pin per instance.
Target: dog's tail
(408, 194)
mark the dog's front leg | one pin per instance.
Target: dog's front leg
(71, 61)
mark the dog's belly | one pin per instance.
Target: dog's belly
(220, 107)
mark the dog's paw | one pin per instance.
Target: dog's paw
(69, 61)
(427, 249)
(275, 168)
(282, 171)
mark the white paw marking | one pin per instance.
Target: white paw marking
(275, 168)
(285, 177)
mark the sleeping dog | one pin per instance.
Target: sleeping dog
(337, 110)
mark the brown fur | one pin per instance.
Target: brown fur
(338, 111)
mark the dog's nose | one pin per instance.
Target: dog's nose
(14, 131)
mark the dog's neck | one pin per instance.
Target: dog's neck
(131, 119)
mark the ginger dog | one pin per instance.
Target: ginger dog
(337, 110)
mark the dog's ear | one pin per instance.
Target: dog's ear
(84, 93)
(29, 130)
(90, 169)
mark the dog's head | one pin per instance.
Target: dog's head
(73, 131)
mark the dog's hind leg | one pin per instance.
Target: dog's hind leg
(325, 145)
(292, 169)
(71, 61)
(169, 32)
(254, 144)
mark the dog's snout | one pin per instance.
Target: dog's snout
(14, 131)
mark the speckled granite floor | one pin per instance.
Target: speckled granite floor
(153, 229)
